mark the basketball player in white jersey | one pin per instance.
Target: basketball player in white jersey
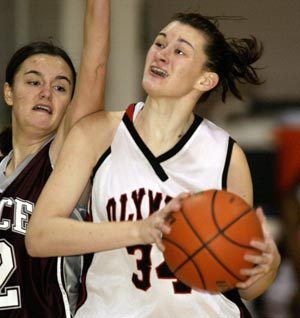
(141, 159)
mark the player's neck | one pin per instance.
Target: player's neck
(23, 146)
(161, 125)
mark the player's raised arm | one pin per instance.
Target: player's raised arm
(89, 90)
(262, 275)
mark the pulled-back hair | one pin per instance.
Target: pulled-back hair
(230, 58)
(40, 47)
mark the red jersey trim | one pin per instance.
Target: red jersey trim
(130, 111)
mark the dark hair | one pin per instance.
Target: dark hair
(5, 141)
(230, 58)
(34, 48)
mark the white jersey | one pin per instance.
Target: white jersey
(130, 183)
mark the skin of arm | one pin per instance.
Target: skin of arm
(262, 275)
(52, 233)
(90, 87)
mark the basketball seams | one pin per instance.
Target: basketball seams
(222, 231)
(189, 258)
(211, 242)
(205, 245)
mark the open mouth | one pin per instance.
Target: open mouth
(43, 108)
(159, 72)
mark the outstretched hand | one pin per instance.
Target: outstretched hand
(267, 263)
(152, 228)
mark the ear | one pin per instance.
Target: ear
(8, 94)
(207, 81)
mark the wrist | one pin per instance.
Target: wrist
(137, 232)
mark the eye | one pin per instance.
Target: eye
(159, 45)
(33, 83)
(179, 52)
(59, 88)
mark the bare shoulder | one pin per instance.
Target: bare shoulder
(99, 124)
(238, 155)
(239, 178)
(96, 131)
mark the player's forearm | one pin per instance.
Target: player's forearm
(61, 236)
(96, 32)
(259, 287)
(95, 53)
(89, 92)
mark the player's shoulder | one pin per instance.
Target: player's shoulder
(105, 118)
(238, 155)
(214, 129)
(99, 123)
(94, 133)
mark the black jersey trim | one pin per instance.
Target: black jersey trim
(100, 161)
(155, 161)
(227, 162)
(146, 151)
(234, 296)
(180, 144)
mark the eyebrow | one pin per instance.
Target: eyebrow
(179, 40)
(59, 77)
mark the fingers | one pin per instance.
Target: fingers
(260, 214)
(151, 230)
(164, 217)
(268, 248)
(157, 233)
(254, 271)
(174, 204)
(159, 244)
(266, 263)
(263, 246)
(262, 259)
(248, 282)
(263, 220)
(159, 222)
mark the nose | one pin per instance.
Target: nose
(45, 92)
(163, 55)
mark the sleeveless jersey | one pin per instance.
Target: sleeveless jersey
(29, 287)
(130, 183)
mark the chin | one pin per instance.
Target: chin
(44, 126)
(152, 89)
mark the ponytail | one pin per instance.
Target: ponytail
(244, 53)
(231, 59)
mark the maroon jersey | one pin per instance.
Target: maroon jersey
(29, 287)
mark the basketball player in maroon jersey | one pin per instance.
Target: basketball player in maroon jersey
(158, 150)
(45, 102)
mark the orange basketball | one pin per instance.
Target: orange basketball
(209, 238)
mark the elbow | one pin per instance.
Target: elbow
(33, 243)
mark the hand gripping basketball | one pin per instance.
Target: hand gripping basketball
(209, 238)
(153, 228)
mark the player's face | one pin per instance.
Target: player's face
(175, 61)
(40, 93)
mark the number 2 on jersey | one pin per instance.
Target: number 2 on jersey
(144, 266)
(9, 296)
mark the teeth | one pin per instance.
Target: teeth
(159, 71)
(43, 107)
